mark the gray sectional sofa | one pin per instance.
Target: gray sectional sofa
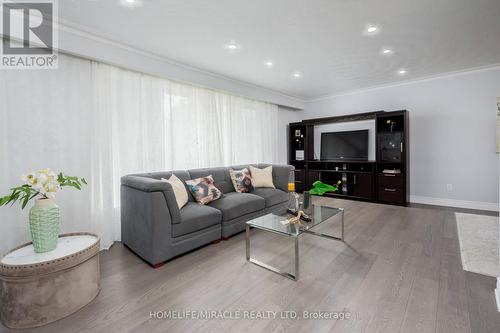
(157, 230)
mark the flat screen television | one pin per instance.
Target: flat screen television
(348, 145)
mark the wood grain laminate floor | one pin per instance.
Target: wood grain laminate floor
(398, 271)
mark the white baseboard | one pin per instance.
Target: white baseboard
(497, 294)
(490, 206)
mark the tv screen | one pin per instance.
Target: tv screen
(350, 145)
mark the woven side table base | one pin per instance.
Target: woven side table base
(37, 294)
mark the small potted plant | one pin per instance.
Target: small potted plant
(44, 216)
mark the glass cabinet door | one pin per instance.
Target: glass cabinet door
(391, 146)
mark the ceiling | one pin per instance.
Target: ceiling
(323, 39)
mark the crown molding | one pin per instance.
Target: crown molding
(100, 37)
(407, 82)
(106, 39)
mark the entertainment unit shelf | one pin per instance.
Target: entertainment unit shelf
(360, 179)
(344, 171)
(356, 177)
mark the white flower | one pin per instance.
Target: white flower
(37, 185)
(40, 189)
(28, 178)
(49, 174)
(44, 181)
(42, 178)
(50, 188)
(52, 176)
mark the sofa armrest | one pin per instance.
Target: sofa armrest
(146, 224)
(147, 184)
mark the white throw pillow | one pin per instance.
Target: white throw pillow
(181, 195)
(262, 177)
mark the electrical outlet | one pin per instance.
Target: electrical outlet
(449, 187)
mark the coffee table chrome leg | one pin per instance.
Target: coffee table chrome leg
(342, 237)
(248, 242)
(294, 276)
(296, 270)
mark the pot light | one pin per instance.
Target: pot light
(387, 51)
(402, 71)
(371, 29)
(269, 64)
(296, 75)
(131, 3)
(232, 46)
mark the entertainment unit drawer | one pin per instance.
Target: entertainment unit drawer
(391, 180)
(390, 194)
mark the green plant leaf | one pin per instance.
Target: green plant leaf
(25, 201)
(4, 200)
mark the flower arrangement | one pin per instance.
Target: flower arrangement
(43, 184)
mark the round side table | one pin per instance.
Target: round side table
(39, 288)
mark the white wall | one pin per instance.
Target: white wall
(497, 289)
(452, 133)
(347, 126)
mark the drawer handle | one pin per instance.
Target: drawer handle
(390, 189)
(298, 181)
(389, 175)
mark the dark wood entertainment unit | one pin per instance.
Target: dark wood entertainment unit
(361, 180)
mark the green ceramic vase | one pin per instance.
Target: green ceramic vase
(44, 225)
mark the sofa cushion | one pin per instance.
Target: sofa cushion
(196, 217)
(203, 189)
(271, 195)
(262, 177)
(233, 205)
(181, 195)
(282, 175)
(242, 180)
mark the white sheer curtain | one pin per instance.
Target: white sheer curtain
(101, 122)
(212, 129)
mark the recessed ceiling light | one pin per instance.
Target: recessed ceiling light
(402, 71)
(269, 64)
(371, 29)
(232, 46)
(387, 51)
(296, 75)
(131, 3)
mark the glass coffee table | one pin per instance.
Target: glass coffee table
(273, 223)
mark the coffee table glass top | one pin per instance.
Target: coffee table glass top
(273, 222)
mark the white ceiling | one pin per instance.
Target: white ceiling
(323, 39)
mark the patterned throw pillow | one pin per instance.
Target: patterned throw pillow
(242, 180)
(203, 189)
